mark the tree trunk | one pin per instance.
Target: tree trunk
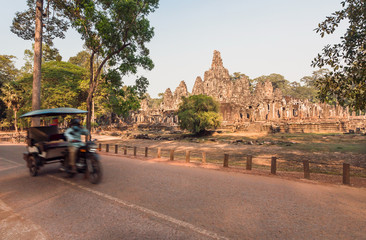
(93, 113)
(89, 99)
(36, 94)
(15, 121)
(89, 102)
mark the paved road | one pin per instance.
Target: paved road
(149, 200)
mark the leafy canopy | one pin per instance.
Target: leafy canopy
(54, 24)
(115, 31)
(41, 24)
(199, 113)
(346, 80)
(8, 73)
(8, 70)
(63, 85)
(12, 96)
(277, 80)
(81, 59)
(114, 97)
(48, 54)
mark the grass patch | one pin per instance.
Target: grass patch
(330, 147)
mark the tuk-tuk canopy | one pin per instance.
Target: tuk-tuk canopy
(53, 112)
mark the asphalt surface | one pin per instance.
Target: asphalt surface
(140, 199)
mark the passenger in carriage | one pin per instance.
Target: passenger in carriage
(54, 122)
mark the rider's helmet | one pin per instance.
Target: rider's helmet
(75, 122)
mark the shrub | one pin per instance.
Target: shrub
(198, 113)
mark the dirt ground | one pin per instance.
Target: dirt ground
(326, 166)
(325, 152)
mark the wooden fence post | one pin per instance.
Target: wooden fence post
(171, 154)
(146, 151)
(273, 165)
(125, 150)
(135, 151)
(306, 169)
(226, 160)
(188, 156)
(249, 162)
(115, 149)
(346, 174)
(203, 157)
(159, 152)
(107, 148)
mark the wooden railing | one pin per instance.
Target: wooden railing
(201, 157)
(189, 156)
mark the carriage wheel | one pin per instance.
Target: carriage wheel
(94, 176)
(33, 169)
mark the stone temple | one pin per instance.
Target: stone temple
(264, 109)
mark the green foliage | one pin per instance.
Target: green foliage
(308, 89)
(199, 113)
(116, 31)
(154, 103)
(140, 87)
(12, 95)
(54, 25)
(238, 75)
(303, 92)
(5, 124)
(41, 24)
(29, 59)
(11, 98)
(81, 59)
(114, 97)
(48, 54)
(347, 79)
(8, 73)
(277, 80)
(310, 81)
(63, 85)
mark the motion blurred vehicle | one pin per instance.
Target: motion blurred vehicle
(46, 145)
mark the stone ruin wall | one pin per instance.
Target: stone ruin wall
(266, 109)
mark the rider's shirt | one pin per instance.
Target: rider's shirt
(74, 133)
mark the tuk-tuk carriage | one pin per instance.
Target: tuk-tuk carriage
(46, 145)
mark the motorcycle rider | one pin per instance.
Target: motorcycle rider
(73, 136)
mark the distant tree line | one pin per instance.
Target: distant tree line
(305, 89)
(341, 75)
(115, 34)
(64, 84)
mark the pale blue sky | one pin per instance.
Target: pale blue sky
(254, 37)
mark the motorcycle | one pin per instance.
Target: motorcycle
(87, 162)
(45, 145)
